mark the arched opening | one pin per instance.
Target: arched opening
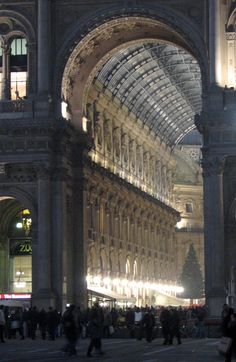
(16, 247)
(20, 250)
(13, 67)
(18, 68)
(136, 95)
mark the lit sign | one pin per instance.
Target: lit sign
(20, 247)
(15, 296)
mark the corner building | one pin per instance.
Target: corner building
(95, 99)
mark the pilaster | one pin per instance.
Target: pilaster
(41, 243)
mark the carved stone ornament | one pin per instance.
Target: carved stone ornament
(213, 166)
(230, 36)
(6, 25)
(116, 143)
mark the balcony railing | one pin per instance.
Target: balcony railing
(21, 105)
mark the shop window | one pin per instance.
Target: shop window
(21, 274)
(20, 253)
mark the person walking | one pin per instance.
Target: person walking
(2, 324)
(95, 330)
(69, 321)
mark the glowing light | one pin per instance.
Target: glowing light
(180, 224)
(97, 279)
(20, 284)
(19, 225)
(132, 284)
(107, 280)
(85, 124)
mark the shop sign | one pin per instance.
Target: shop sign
(20, 247)
(15, 296)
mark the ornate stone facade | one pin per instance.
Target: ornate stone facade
(100, 178)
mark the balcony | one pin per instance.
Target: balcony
(16, 109)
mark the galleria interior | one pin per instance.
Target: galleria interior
(117, 144)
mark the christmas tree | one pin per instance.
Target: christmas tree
(191, 277)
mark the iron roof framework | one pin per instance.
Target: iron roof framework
(160, 84)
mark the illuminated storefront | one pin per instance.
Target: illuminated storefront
(20, 253)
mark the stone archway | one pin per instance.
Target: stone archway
(16, 240)
(96, 43)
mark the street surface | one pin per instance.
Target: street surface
(116, 350)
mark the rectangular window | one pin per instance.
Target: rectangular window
(18, 85)
(21, 274)
(189, 208)
(18, 47)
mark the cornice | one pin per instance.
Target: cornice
(127, 185)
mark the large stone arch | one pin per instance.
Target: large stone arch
(22, 196)
(98, 37)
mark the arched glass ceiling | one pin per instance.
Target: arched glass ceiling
(160, 84)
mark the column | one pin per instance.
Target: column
(6, 94)
(214, 42)
(41, 263)
(214, 235)
(79, 247)
(31, 63)
(60, 237)
(43, 46)
(4, 261)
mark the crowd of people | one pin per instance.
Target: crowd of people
(97, 323)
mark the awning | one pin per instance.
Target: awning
(109, 294)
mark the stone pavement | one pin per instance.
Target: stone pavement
(116, 350)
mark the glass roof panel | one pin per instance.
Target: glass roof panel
(159, 83)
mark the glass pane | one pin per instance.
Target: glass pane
(24, 49)
(22, 274)
(18, 46)
(18, 85)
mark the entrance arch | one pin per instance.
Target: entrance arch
(15, 242)
(104, 36)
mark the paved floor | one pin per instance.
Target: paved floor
(116, 350)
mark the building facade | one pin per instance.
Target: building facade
(95, 98)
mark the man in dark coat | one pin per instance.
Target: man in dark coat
(95, 330)
(148, 322)
(165, 324)
(69, 321)
(174, 326)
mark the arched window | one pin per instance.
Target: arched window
(18, 68)
(127, 267)
(135, 268)
(13, 68)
